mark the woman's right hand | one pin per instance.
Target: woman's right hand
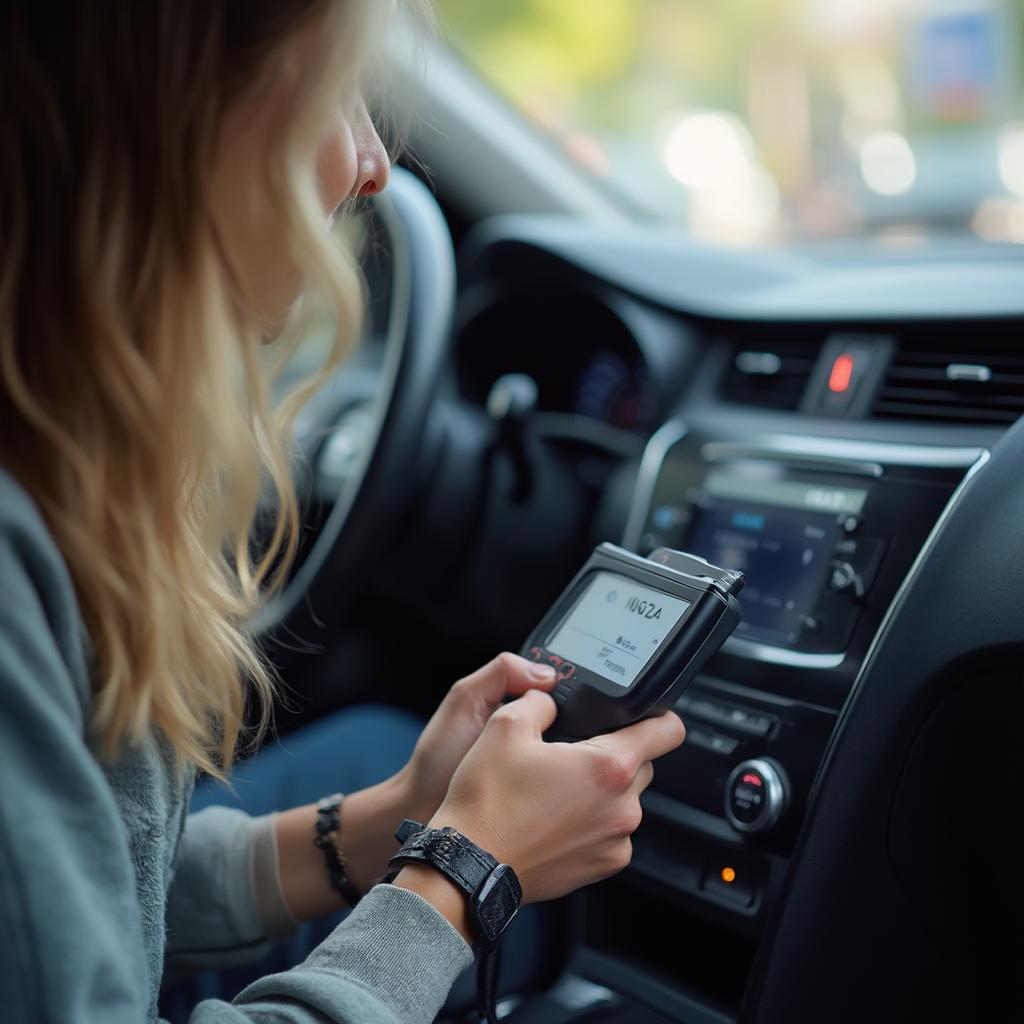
(561, 814)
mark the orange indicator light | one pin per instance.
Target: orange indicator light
(841, 375)
(728, 875)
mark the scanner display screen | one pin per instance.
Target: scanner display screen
(616, 626)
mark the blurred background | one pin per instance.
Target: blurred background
(751, 121)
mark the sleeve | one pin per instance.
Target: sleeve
(71, 943)
(391, 961)
(70, 935)
(225, 902)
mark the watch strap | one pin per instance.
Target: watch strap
(493, 893)
(449, 852)
(409, 827)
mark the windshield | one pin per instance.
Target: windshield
(751, 120)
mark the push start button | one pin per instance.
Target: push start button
(756, 795)
(747, 797)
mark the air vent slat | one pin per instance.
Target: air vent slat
(941, 377)
(926, 381)
(913, 410)
(971, 399)
(769, 374)
(909, 357)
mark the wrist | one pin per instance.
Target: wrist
(365, 840)
(408, 798)
(368, 825)
(479, 834)
(442, 893)
(489, 892)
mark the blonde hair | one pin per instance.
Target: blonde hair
(135, 391)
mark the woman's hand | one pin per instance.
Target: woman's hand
(458, 723)
(369, 817)
(561, 814)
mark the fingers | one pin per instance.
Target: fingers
(507, 675)
(534, 711)
(645, 740)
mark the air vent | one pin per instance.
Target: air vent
(771, 374)
(925, 382)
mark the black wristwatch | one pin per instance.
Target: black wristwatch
(493, 889)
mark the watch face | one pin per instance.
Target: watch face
(495, 903)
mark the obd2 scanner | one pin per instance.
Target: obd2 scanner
(628, 635)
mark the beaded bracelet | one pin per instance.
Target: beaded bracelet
(328, 825)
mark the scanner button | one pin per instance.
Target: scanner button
(537, 654)
(566, 670)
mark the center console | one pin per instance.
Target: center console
(827, 533)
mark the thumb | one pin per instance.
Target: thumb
(508, 675)
(534, 710)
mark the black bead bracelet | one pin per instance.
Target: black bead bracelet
(328, 825)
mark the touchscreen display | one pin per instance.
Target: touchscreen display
(784, 553)
(616, 626)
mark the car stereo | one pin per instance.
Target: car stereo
(788, 537)
(797, 536)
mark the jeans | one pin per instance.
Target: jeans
(347, 751)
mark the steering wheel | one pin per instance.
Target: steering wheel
(362, 437)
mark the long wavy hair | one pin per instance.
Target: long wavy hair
(135, 385)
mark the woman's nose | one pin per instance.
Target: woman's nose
(374, 163)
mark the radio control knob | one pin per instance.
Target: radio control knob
(845, 578)
(756, 795)
(850, 524)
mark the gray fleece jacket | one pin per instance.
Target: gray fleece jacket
(105, 878)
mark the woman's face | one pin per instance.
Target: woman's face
(351, 161)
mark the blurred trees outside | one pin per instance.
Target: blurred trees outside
(746, 120)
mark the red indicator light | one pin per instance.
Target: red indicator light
(728, 875)
(751, 779)
(841, 375)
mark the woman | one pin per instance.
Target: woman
(166, 172)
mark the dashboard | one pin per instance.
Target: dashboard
(574, 342)
(812, 419)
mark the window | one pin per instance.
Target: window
(751, 120)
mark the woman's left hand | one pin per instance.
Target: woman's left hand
(458, 722)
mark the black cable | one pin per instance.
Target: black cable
(487, 971)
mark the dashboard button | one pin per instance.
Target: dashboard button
(864, 554)
(845, 580)
(756, 795)
(742, 720)
(706, 739)
(850, 524)
(723, 745)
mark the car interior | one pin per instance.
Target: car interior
(544, 369)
